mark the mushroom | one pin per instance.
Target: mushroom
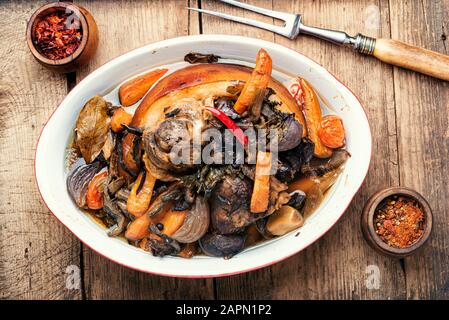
(284, 220)
(230, 205)
(113, 210)
(217, 245)
(319, 167)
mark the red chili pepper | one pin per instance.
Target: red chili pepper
(231, 125)
(55, 39)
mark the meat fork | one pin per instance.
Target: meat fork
(394, 52)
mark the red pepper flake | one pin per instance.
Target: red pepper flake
(56, 36)
(399, 222)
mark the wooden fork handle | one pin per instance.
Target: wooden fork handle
(404, 55)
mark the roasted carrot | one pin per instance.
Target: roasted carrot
(138, 229)
(258, 82)
(140, 195)
(188, 250)
(261, 190)
(312, 112)
(133, 90)
(172, 221)
(94, 195)
(128, 149)
(120, 117)
(331, 132)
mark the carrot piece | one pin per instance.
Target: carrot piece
(261, 190)
(331, 132)
(128, 145)
(138, 229)
(120, 117)
(172, 221)
(258, 81)
(94, 195)
(188, 251)
(134, 89)
(140, 195)
(312, 112)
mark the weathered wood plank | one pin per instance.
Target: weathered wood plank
(423, 140)
(123, 26)
(35, 249)
(335, 266)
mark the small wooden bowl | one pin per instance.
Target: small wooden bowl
(87, 47)
(367, 222)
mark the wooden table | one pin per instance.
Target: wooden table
(409, 116)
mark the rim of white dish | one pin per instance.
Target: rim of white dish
(118, 257)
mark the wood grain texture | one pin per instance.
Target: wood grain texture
(408, 112)
(414, 58)
(35, 249)
(123, 26)
(334, 267)
(422, 105)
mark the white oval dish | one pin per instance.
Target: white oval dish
(50, 168)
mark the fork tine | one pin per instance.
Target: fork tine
(266, 12)
(254, 23)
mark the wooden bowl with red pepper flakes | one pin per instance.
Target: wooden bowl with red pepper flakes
(62, 36)
(397, 221)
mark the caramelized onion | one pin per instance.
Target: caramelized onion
(78, 181)
(195, 224)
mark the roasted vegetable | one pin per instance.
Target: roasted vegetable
(284, 220)
(78, 181)
(291, 161)
(331, 132)
(291, 134)
(113, 210)
(261, 191)
(140, 196)
(297, 200)
(217, 245)
(312, 112)
(161, 244)
(196, 223)
(120, 117)
(188, 250)
(92, 128)
(229, 203)
(94, 195)
(129, 147)
(315, 189)
(256, 85)
(318, 167)
(133, 90)
(138, 229)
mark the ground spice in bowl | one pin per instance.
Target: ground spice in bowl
(58, 35)
(399, 222)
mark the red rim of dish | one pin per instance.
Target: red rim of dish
(223, 274)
